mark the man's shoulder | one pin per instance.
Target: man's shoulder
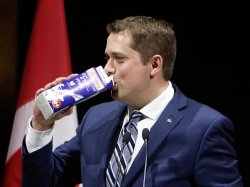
(109, 107)
(112, 104)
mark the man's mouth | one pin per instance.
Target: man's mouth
(115, 87)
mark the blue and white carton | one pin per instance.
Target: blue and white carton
(73, 91)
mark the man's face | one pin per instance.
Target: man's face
(131, 76)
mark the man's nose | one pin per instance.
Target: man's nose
(109, 68)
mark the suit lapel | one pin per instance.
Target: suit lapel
(93, 173)
(112, 132)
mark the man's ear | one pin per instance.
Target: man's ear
(156, 65)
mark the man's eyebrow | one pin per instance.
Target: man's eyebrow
(115, 54)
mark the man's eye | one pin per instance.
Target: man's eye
(119, 59)
(106, 58)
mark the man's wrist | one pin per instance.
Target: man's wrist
(36, 139)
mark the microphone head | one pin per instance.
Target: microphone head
(126, 137)
(145, 134)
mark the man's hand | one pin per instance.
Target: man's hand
(39, 122)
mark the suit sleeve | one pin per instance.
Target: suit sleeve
(217, 162)
(44, 168)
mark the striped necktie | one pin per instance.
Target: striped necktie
(123, 152)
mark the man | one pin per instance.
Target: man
(190, 144)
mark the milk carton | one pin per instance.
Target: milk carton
(73, 91)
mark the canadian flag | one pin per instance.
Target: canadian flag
(48, 57)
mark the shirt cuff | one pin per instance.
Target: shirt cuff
(36, 139)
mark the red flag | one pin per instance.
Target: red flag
(48, 57)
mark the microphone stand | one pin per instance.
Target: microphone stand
(145, 136)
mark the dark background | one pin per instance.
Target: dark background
(211, 56)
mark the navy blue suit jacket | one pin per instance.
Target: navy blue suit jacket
(191, 144)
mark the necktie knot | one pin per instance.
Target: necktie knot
(134, 118)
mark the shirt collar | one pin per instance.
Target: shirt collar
(153, 109)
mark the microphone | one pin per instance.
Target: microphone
(125, 139)
(145, 136)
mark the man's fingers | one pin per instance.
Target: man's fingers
(72, 75)
(39, 91)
